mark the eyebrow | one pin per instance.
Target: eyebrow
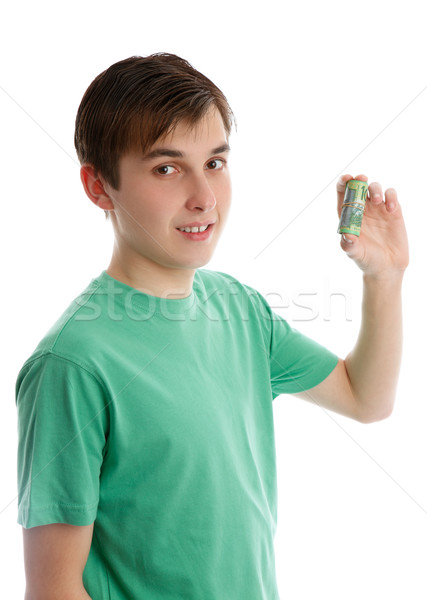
(158, 152)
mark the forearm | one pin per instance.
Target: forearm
(77, 593)
(55, 557)
(373, 365)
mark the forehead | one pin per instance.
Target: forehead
(208, 130)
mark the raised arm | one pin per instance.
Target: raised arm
(363, 385)
(55, 557)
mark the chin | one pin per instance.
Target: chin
(196, 262)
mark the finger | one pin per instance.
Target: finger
(341, 183)
(349, 243)
(391, 201)
(375, 193)
(362, 177)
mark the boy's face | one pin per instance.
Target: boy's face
(182, 181)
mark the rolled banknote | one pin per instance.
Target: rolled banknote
(353, 206)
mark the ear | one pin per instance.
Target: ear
(95, 188)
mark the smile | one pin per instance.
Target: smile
(193, 229)
(197, 233)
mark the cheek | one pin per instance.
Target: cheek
(144, 208)
(135, 219)
(224, 194)
(157, 205)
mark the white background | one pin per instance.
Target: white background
(318, 89)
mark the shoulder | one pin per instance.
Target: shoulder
(208, 279)
(226, 294)
(69, 338)
(210, 282)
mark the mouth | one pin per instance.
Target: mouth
(196, 226)
(197, 233)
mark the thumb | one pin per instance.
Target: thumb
(348, 242)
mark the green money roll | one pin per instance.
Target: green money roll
(355, 196)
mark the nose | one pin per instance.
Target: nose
(200, 195)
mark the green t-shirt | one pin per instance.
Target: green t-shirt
(153, 418)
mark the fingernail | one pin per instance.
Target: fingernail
(347, 240)
(391, 205)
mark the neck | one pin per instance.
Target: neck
(152, 279)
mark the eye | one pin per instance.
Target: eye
(165, 170)
(215, 164)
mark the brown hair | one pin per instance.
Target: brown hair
(137, 101)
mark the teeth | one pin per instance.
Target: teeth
(193, 229)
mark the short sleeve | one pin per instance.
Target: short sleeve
(62, 429)
(297, 362)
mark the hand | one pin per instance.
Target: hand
(381, 251)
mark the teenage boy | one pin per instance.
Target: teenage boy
(146, 440)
